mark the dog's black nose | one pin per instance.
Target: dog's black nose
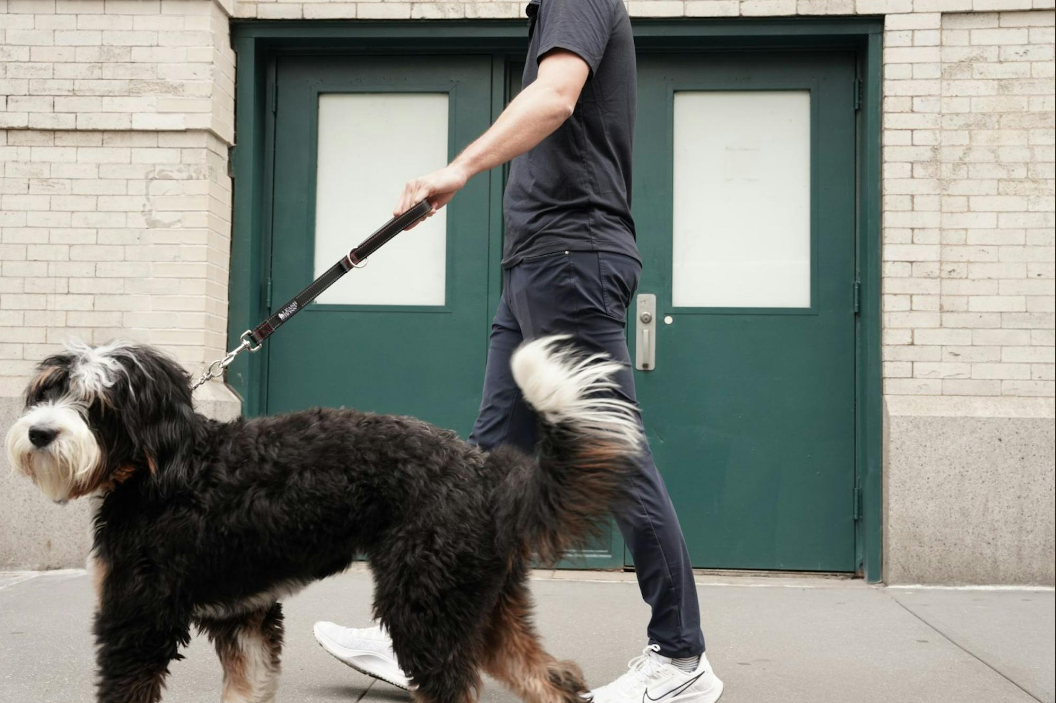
(42, 436)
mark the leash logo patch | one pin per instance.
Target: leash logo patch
(288, 310)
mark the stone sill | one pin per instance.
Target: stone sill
(969, 406)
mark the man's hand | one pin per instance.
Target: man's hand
(439, 187)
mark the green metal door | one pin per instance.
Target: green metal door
(744, 200)
(407, 334)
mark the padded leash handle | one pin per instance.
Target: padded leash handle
(387, 231)
(355, 257)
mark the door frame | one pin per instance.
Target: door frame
(258, 44)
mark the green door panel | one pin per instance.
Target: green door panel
(409, 360)
(751, 412)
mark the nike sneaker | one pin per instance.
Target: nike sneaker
(368, 651)
(652, 678)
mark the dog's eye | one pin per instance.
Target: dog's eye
(50, 392)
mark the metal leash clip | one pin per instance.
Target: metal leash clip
(216, 369)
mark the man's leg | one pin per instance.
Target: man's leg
(586, 295)
(504, 417)
(653, 534)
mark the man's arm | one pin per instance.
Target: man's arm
(532, 116)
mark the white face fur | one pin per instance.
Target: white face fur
(61, 467)
(52, 443)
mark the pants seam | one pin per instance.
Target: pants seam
(669, 576)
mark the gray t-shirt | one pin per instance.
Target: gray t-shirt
(573, 190)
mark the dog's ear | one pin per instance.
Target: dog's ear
(159, 415)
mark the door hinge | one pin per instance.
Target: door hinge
(857, 503)
(857, 94)
(857, 297)
(273, 98)
(267, 295)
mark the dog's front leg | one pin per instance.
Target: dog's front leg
(135, 646)
(249, 647)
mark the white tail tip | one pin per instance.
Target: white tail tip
(565, 386)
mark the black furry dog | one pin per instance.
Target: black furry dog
(211, 524)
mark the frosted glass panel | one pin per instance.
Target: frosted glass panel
(370, 145)
(741, 199)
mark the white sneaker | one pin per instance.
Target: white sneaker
(651, 677)
(368, 651)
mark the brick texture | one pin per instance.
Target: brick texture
(144, 65)
(115, 122)
(112, 234)
(968, 199)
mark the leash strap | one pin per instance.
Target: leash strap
(251, 340)
(354, 258)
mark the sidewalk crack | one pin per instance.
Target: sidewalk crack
(967, 651)
(366, 691)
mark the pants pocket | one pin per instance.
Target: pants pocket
(619, 275)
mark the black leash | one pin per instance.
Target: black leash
(252, 340)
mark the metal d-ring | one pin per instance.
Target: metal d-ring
(352, 260)
(249, 342)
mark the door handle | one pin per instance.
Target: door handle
(645, 333)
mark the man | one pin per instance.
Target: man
(571, 265)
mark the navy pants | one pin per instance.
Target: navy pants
(586, 295)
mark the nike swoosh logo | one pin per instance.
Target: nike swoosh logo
(674, 692)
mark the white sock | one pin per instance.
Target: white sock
(686, 665)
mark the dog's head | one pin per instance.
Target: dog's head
(95, 416)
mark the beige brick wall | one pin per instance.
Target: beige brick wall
(968, 200)
(115, 205)
(116, 115)
(116, 65)
(112, 234)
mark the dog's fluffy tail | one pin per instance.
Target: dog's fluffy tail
(587, 445)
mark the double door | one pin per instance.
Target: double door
(744, 204)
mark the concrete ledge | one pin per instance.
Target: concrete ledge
(36, 534)
(218, 401)
(969, 406)
(969, 491)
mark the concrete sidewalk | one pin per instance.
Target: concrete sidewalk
(780, 640)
